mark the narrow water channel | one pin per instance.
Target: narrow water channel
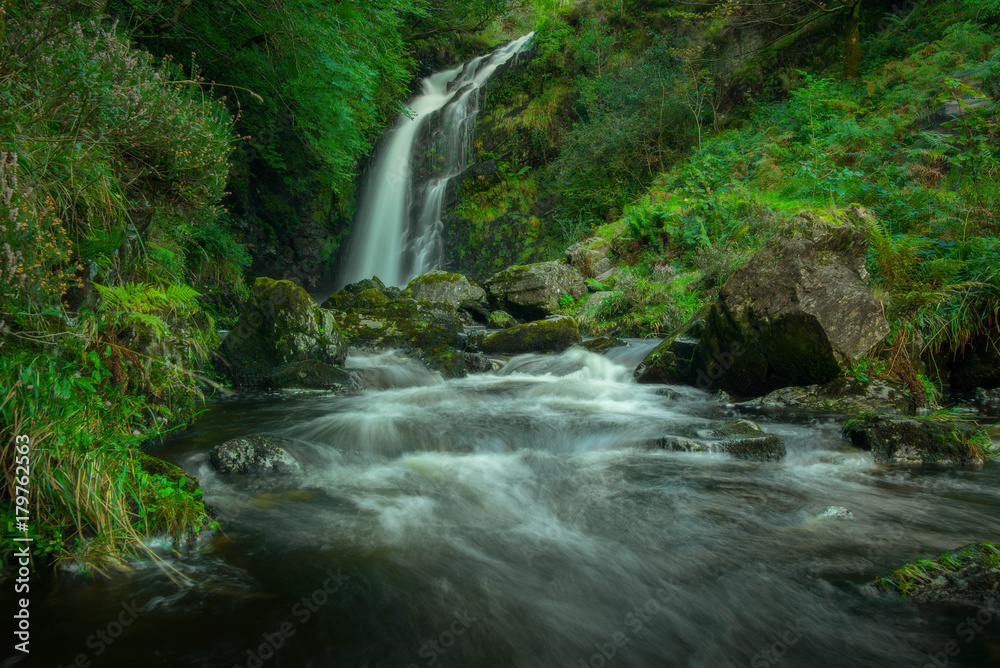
(518, 520)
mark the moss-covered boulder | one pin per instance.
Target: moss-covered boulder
(602, 344)
(315, 375)
(251, 454)
(440, 286)
(967, 576)
(532, 291)
(798, 312)
(551, 335)
(279, 324)
(843, 396)
(919, 441)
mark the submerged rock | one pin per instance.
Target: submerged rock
(279, 324)
(251, 454)
(315, 375)
(440, 286)
(919, 441)
(798, 312)
(550, 335)
(742, 439)
(836, 513)
(533, 291)
(967, 576)
(843, 396)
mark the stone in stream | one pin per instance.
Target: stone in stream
(279, 324)
(836, 513)
(919, 441)
(551, 335)
(251, 454)
(602, 344)
(986, 398)
(968, 576)
(501, 320)
(798, 312)
(316, 375)
(742, 439)
(533, 291)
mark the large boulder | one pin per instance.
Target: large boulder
(532, 291)
(440, 286)
(799, 312)
(279, 324)
(251, 454)
(550, 335)
(920, 442)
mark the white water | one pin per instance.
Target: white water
(397, 231)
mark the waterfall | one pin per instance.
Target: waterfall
(397, 231)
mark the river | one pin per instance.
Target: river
(517, 520)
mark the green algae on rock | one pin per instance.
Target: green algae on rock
(906, 441)
(550, 335)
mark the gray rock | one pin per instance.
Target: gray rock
(798, 312)
(842, 396)
(251, 454)
(501, 320)
(315, 375)
(837, 513)
(533, 291)
(440, 286)
(589, 257)
(742, 439)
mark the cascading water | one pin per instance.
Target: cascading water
(398, 230)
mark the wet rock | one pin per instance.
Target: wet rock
(842, 396)
(742, 439)
(279, 324)
(798, 312)
(602, 344)
(345, 299)
(251, 454)
(986, 398)
(589, 257)
(550, 335)
(533, 291)
(967, 576)
(919, 441)
(673, 395)
(315, 375)
(440, 286)
(433, 328)
(670, 362)
(476, 363)
(836, 513)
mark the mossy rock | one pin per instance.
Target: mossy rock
(441, 286)
(602, 344)
(156, 466)
(279, 324)
(343, 300)
(738, 429)
(315, 375)
(967, 576)
(742, 440)
(670, 361)
(550, 335)
(501, 320)
(906, 441)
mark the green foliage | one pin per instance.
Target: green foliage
(866, 370)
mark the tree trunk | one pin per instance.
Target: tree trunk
(852, 44)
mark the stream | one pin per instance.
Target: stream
(517, 519)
